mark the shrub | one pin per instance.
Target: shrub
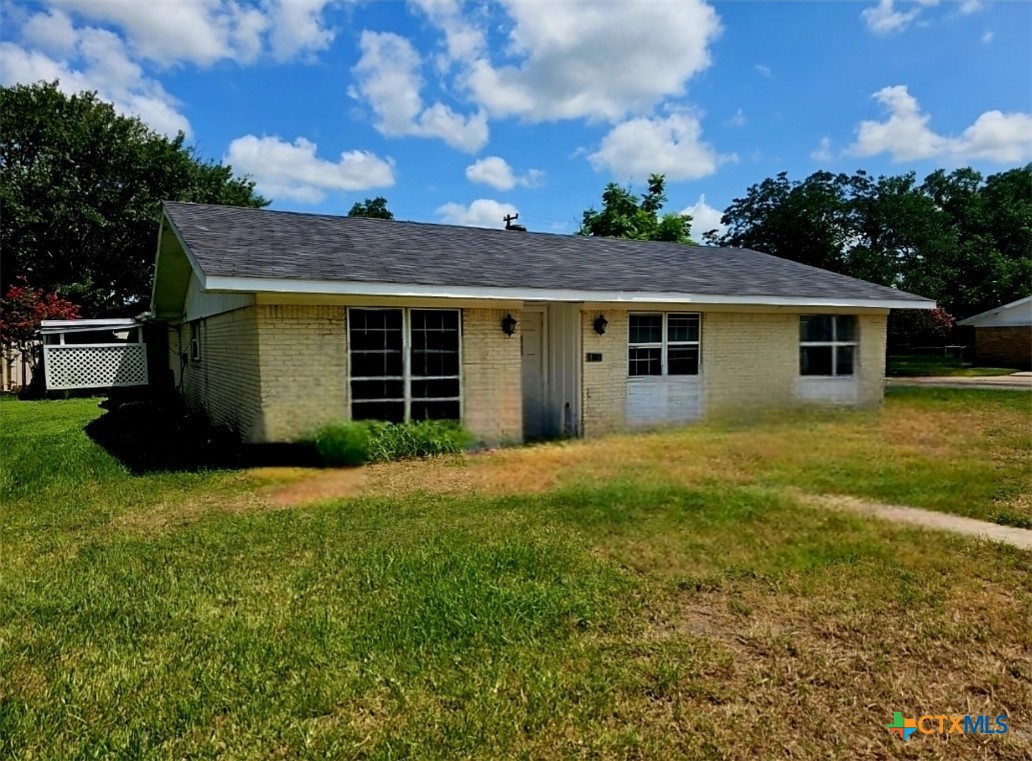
(374, 441)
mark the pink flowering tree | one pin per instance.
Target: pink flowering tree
(22, 309)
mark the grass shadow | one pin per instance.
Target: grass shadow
(151, 436)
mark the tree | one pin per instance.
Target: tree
(803, 221)
(625, 215)
(375, 208)
(22, 309)
(956, 238)
(81, 188)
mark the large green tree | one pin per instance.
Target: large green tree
(625, 215)
(376, 208)
(81, 188)
(959, 238)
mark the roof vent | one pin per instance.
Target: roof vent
(509, 218)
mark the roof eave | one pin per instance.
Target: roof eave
(417, 290)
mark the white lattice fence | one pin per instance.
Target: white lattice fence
(95, 365)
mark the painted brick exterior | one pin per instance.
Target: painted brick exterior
(226, 382)
(277, 372)
(303, 353)
(1009, 346)
(491, 378)
(604, 384)
(871, 362)
(750, 360)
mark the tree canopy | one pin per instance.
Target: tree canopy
(958, 238)
(625, 215)
(81, 188)
(375, 208)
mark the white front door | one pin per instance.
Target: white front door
(533, 347)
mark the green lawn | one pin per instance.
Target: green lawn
(922, 365)
(657, 596)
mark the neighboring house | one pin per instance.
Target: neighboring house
(1003, 336)
(281, 322)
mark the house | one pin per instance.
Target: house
(1003, 336)
(280, 322)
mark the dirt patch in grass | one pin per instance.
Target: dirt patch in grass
(521, 471)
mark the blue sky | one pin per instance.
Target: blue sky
(462, 112)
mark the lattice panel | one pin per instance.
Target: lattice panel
(71, 367)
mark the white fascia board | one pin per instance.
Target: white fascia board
(415, 290)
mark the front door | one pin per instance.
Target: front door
(533, 347)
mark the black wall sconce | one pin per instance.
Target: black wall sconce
(600, 324)
(508, 324)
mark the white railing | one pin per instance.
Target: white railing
(74, 366)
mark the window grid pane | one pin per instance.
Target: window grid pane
(663, 344)
(828, 345)
(645, 360)
(382, 388)
(646, 328)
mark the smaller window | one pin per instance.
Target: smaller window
(663, 344)
(827, 345)
(195, 340)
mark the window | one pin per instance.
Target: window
(827, 345)
(663, 344)
(195, 340)
(404, 364)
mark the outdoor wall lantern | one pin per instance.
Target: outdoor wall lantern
(600, 324)
(508, 324)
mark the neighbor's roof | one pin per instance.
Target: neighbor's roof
(1015, 313)
(242, 249)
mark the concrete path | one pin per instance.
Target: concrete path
(930, 519)
(1013, 381)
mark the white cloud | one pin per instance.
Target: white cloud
(764, 70)
(905, 135)
(483, 212)
(883, 18)
(738, 120)
(201, 32)
(205, 31)
(297, 28)
(51, 32)
(970, 6)
(389, 79)
(496, 172)
(463, 39)
(595, 60)
(823, 151)
(668, 145)
(293, 171)
(704, 218)
(996, 136)
(92, 59)
(988, 37)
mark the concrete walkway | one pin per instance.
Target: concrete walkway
(1013, 381)
(929, 519)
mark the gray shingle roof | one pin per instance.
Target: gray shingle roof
(253, 243)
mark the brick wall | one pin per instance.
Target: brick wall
(491, 373)
(871, 362)
(604, 384)
(749, 360)
(304, 383)
(1009, 346)
(225, 382)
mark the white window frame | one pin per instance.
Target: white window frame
(195, 340)
(664, 345)
(406, 361)
(834, 343)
